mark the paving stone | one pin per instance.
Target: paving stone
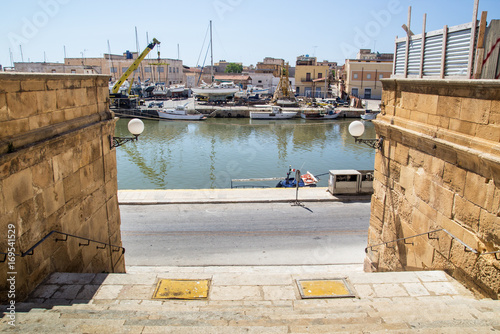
(235, 293)
(279, 293)
(432, 276)
(385, 277)
(67, 292)
(70, 278)
(251, 279)
(441, 288)
(416, 289)
(389, 290)
(137, 279)
(136, 292)
(364, 291)
(87, 292)
(44, 291)
(108, 292)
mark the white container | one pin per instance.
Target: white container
(344, 181)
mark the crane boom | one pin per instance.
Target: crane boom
(134, 66)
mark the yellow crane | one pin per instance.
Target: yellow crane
(134, 66)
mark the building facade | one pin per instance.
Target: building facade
(362, 76)
(312, 78)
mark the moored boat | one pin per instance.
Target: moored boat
(369, 115)
(305, 180)
(275, 113)
(180, 113)
(318, 114)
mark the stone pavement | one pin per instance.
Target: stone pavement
(257, 299)
(208, 196)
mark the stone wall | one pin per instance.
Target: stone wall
(439, 168)
(57, 172)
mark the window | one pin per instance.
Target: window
(368, 93)
(298, 90)
(381, 76)
(308, 76)
(113, 69)
(147, 69)
(308, 91)
(368, 76)
(161, 69)
(124, 69)
(53, 71)
(170, 70)
(177, 69)
(320, 75)
(354, 91)
(260, 81)
(73, 71)
(355, 75)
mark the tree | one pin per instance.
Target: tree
(234, 68)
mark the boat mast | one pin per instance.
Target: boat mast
(211, 55)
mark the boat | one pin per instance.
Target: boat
(305, 180)
(275, 113)
(180, 113)
(224, 89)
(319, 113)
(369, 115)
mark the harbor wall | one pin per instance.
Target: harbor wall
(439, 169)
(57, 172)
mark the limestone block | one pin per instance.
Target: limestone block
(65, 98)
(464, 127)
(32, 85)
(427, 103)
(420, 222)
(442, 199)
(401, 154)
(430, 212)
(493, 199)
(402, 112)
(424, 252)
(86, 177)
(495, 113)
(22, 105)
(4, 114)
(10, 86)
(449, 106)
(417, 158)
(99, 223)
(439, 121)
(91, 94)
(489, 228)
(46, 101)
(422, 186)
(454, 177)
(409, 100)
(63, 165)
(18, 188)
(53, 197)
(476, 188)
(54, 84)
(43, 175)
(72, 187)
(488, 132)
(475, 110)
(466, 213)
(39, 121)
(80, 95)
(58, 116)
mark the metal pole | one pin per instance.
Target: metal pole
(211, 54)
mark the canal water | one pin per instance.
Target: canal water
(208, 154)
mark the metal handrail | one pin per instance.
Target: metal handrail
(466, 247)
(114, 248)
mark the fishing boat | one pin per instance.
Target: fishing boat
(369, 115)
(305, 180)
(180, 113)
(275, 113)
(319, 113)
(224, 89)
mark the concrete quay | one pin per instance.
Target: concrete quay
(221, 196)
(254, 299)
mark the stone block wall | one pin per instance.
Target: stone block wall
(57, 172)
(439, 169)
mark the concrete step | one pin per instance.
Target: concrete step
(260, 299)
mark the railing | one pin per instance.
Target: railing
(100, 245)
(467, 248)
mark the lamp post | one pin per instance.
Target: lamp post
(357, 128)
(135, 126)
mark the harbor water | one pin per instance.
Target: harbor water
(208, 154)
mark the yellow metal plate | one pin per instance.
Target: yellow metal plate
(181, 289)
(325, 288)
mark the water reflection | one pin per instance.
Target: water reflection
(196, 155)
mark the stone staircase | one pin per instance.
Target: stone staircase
(263, 299)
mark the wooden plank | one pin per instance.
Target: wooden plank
(472, 38)
(407, 53)
(478, 68)
(443, 52)
(421, 74)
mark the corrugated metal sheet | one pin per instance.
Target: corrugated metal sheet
(400, 58)
(414, 57)
(457, 53)
(432, 55)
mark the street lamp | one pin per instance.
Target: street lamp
(135, 126)
(357, 128)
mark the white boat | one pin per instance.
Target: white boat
(177, 88)
(218, 90)
(275, 113)
(252, 91)
(369, 115)
(180, 113)
(319, 113)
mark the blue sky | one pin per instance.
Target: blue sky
(244, 30)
